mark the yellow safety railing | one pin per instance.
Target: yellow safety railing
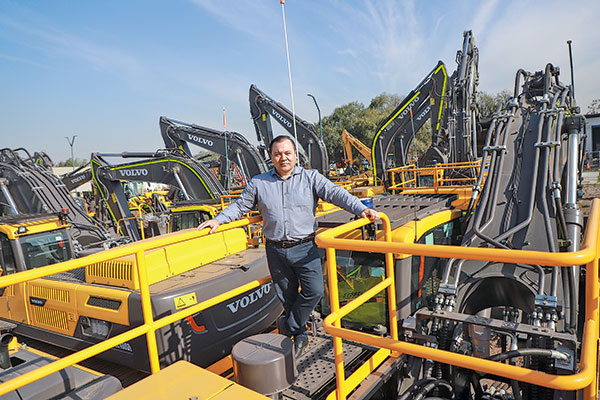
(150, 325)
(138, 217)
(411, 177)
(349, 182)
(233, 195)
(586, 378)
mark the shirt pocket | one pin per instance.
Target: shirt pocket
(301, 198)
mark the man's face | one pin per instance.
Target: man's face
(283, 156)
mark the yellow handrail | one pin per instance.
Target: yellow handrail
(410, 173)
(585, 379)
(150, 326)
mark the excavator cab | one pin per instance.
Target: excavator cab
(29, 242)
(189, 216)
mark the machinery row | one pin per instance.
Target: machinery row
(456, 294)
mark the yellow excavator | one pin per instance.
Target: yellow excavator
(102, 299)
(349, 141)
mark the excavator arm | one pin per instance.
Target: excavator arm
(262, 108)
(462, 127)
(73, 180)
(29, 187)
(232, 145)
(194, 180)
(425, 102)
(350, 141)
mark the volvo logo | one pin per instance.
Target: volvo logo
(36, 301)
(281, 118)
(133, 172)
(424, 113)
(250, 298)
(78, 179)
(200, 140)
(407, 109)
(124, 346)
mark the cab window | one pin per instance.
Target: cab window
(45, 248)
(187, 220)
(8, 258)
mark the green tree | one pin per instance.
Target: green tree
(67, 163)
(357, 119)
(488, 103)
(362, 121)
(594, 107)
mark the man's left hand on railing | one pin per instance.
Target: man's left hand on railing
(211, 223)
(371, 214)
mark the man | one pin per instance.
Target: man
(287, 199)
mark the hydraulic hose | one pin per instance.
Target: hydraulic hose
(408, 394)
(545, 168)
(516, 390)
(8, 197)
(534, 173)
(518, 79)
(436, 398)
(484, 157)
(548, 353)
(478, 226)
(433, 385)
(5, 340)
(556, 176)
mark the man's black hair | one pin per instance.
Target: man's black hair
(279, 139)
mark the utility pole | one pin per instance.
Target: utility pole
(227, 185)
(71, 144)
(319, 111)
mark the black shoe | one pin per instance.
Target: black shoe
(300, 346)
(280, 323)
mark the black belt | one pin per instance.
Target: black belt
(291, 243)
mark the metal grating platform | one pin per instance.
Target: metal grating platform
(400, 208)
(316, 367)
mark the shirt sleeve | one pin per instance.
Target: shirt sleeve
(243, 205)
(332, 193)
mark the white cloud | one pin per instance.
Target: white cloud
(347, 52)
(484, 15)
(243, 16)
(383, 37)
(21, 60)
(343, 70)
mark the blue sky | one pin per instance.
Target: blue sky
(106, 70)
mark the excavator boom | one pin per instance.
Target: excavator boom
(171, 168)
(423, 103)
(350, 141)
(29, 187)
(234, 146)
(262, 108)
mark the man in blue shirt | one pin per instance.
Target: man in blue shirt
(287, 198)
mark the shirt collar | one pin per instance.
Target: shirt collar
(297, 170)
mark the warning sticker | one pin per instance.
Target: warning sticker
(185, 301)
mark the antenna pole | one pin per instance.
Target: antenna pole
(227, 183)
(287, 53)
(572, 79)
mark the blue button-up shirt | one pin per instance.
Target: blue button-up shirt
(288, 206)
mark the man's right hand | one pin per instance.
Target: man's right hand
(211, 223)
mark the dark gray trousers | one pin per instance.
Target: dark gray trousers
(291, 268)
